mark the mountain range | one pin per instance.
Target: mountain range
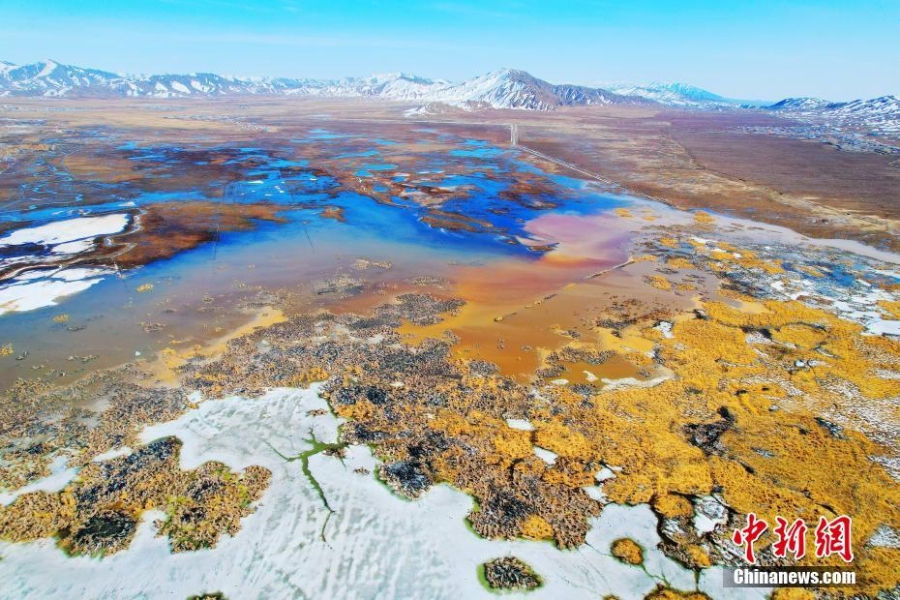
(675, 94)
(502, 89)
(506, 88)
(878, 115)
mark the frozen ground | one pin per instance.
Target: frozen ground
(374, 545)
(38, 289)
(62, 232)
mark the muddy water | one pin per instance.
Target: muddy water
(196, 296)
(201, 293)
(520, 311)
(524, 300)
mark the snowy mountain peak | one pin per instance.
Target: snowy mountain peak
(690, 91)
(48, 66)
(801, 103)
(878, 115)
(675, 94)
(388, 77)
(503, 88)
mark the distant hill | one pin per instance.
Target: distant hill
(682, 95)
(506, 88)
(501, 89)
(879, 115)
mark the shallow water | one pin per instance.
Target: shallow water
(195, 293)
(500, 247)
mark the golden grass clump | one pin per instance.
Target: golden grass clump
(628, 551)
(659, 282)
(679, 262)
(536, 528)
(97, 514)
(564, 441)
(698, 556)
(703, 218)
(672, 506)
(812, 271)
(891, 308)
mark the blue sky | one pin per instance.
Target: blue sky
(765, 49)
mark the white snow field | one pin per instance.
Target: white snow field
(374, 545)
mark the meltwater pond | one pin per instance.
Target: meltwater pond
(422, 211)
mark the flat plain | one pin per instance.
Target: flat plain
(320, 344)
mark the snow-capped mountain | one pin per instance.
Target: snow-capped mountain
(681, 95)
(878, 115)
(506, 88)
(509, 88)
(674, 94)
(49, 78)
(800, 104)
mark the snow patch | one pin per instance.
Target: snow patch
(520, 424)
(546, 455)
(59, 477)
(38, 289)
(69, 230)
(376, 545)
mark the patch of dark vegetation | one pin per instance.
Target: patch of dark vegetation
(510, 573)
(105, 530)
(98, 513)
(406, 477)
(833, 428)
(706, 436)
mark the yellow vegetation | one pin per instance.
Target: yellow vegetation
(698, 555)
(679, 263)
(812, 271)
(745, 258)
(659, 282)
(891, 308)
(641, 430)
(703, 218)
(536, 528)
(628, 551)
(562, 440)
(672, 506)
